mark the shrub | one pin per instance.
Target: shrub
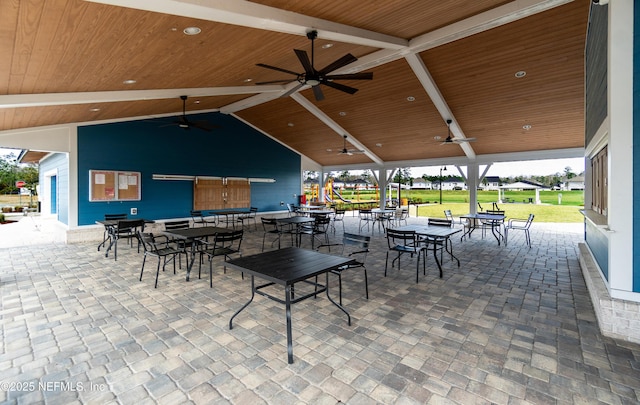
(1, 218)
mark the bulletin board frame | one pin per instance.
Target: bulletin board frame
(114, 185)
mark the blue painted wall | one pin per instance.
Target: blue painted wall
(153, 147)
(636, 151)
(60, 163)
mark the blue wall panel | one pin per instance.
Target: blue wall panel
(233, 149)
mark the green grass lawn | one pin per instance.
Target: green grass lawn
(543, 213)
(457, 201)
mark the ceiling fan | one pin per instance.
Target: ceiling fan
(313, 77)
(184, 123)
(451, 139)
(346, 151)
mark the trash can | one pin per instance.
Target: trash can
(302, 199)
(404, 201)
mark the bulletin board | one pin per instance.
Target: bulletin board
(112, 185)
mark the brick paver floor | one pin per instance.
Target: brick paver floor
(512, 325)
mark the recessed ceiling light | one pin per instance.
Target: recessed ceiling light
(247, 80)
(327, 46)
(329, 150)
(411, 98)
(379, 145)
(197, 102)
(129, 81)
(290, 124)
(526, 127)
(192, 30)
(437, 137)
(94, 109)
(342, 113)
(520, 74)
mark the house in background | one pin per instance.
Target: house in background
(490, 183)
(574, 183)
(421, 184)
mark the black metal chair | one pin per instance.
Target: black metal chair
(225, 244)
(201, 219)
(491, 224)
(365, 217)
(110, 217)
(126, 229)
(403, 242)
(161, 250)
(439, 243)
(356, 247)
(315, 230)
(337, 216)
(271, 227)
(248, 217)
(179, 244)
(520, 225)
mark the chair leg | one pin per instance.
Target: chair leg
(366, 283)
(157, 273)
(211, 272)
(340, 286)
(142, 269)
(386, 263)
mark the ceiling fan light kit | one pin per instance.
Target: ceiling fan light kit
(450, 139)
(313, 77)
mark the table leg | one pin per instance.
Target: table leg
(493, 231)
(335, 303)
(287, 297)
(193, 258)
(435, 256)
(253, 294)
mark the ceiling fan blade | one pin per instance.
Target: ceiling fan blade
(293, 90)
(344, 61)
(351, 76)
(277, 81)
(304, 60)
(317, 92)
(277, 68)
(341, 87)
(461, 140)
(203, 125)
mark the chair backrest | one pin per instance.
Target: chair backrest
(480, 206)
(183, 224)
(358, 241)
(321, 223)
(448, 215)
(440, 222)
(365, 213)
(269, 224)
(356, 246)
(496, 212)
(397, 237)
(339, 214)
(148, 241)
(229, 239)
(114, 217)
(529, 220)
(253, 211)
(126, 225)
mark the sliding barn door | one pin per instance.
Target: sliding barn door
(208, 194)
(220, 194)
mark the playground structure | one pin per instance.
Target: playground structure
(361, 194)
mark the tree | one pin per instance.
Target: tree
(568, 173)
(11, 171)
(403, 176)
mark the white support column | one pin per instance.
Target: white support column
(473, 180)
(620, 148)
(322, 181)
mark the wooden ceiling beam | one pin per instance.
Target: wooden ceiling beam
(254, 15)
(335, 126)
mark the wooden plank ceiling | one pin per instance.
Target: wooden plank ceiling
(65, 62)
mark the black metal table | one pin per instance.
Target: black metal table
(111, 226)
(193, 235)
(434, 232)
(295, 223)
(286, 267)
(494, 219)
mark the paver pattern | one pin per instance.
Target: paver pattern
(512, 325)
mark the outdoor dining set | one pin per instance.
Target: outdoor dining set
(284, 262)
